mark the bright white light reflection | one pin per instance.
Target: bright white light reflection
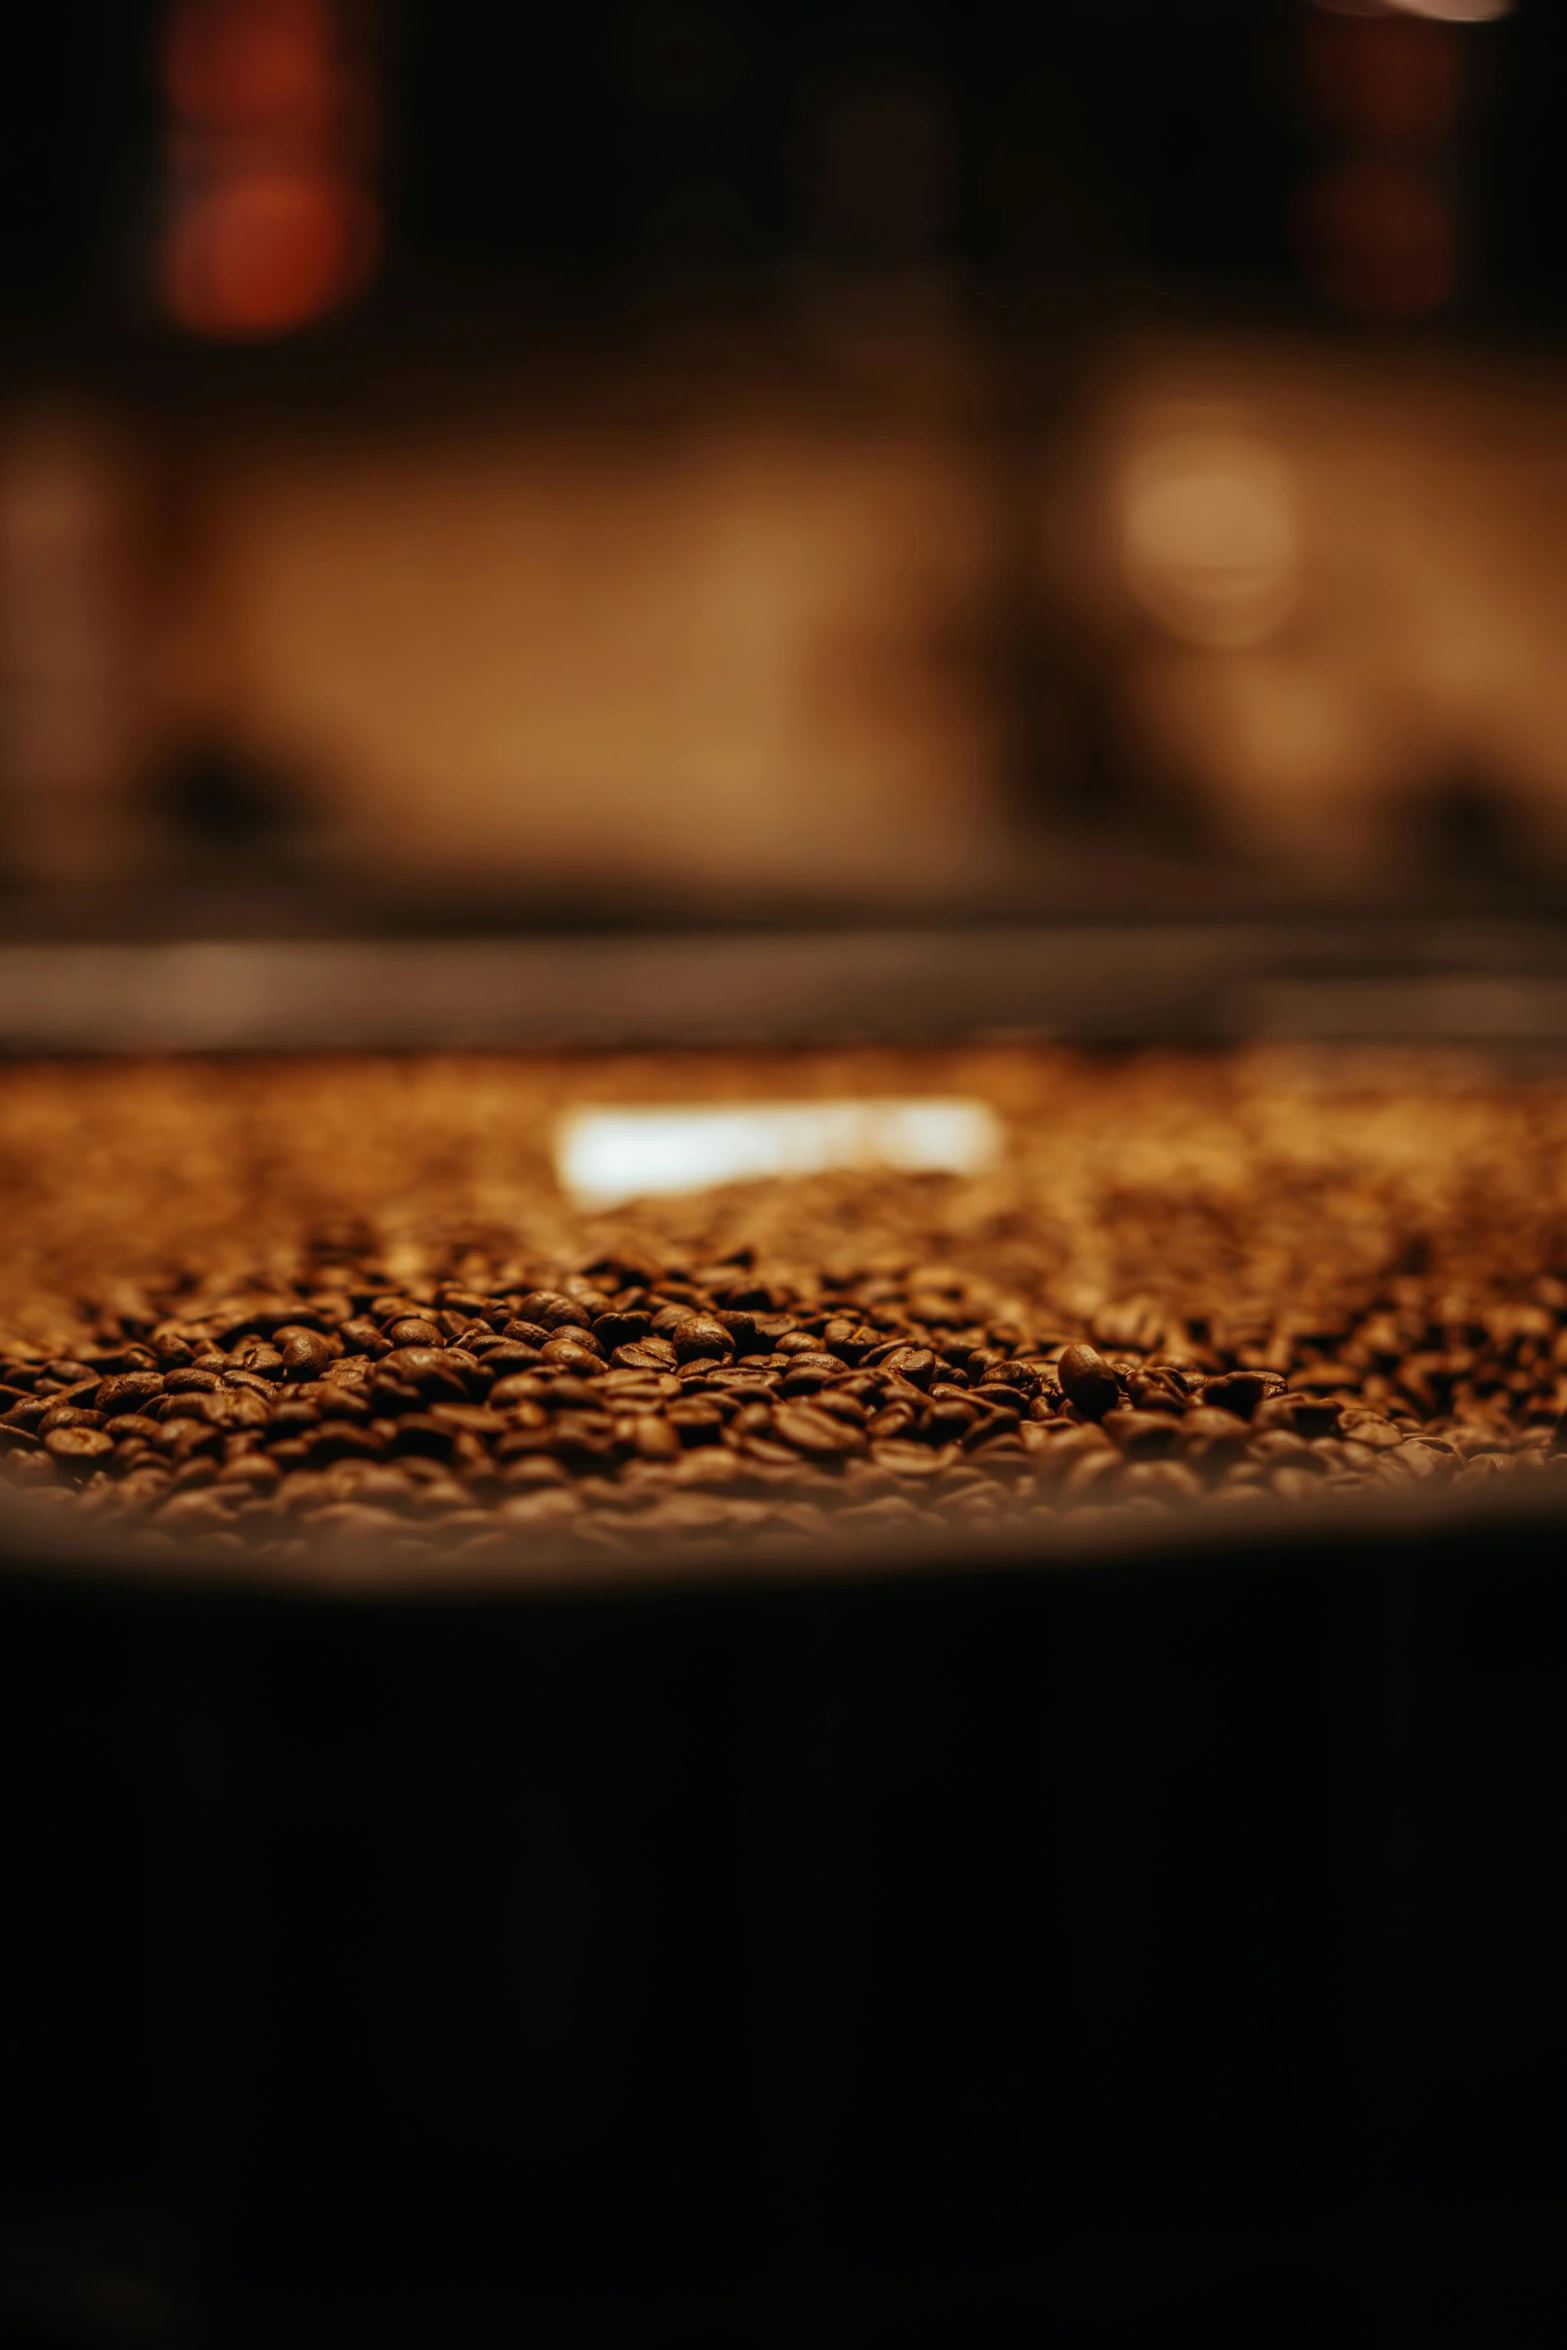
(603, 1157)
(1443, 11)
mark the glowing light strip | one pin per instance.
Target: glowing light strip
(604, 1157)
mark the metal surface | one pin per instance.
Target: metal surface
(1475, 982)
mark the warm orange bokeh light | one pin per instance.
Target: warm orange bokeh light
(271, 224)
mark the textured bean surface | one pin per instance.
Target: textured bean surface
(260, 1302)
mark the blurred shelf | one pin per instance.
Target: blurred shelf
(1487, 983)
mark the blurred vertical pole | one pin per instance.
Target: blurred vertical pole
(1062, 771)
(71, 706)
(269, 216)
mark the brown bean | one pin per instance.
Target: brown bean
(66, 1415)
(1088, 1382)
(424, 1368)
(912, 1460)
(646, 1354)
(78, 1450)
(305, 1353)
(1238, 1392)
(808, 1374)
(616, 1329)
(416, 1330)
(1056, 1454)
(1142, 1436)
(574, 1351)
(700, 1337)
(551, 1309)
(127, 1392)
(817, 1433)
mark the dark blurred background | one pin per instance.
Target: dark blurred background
(701, 462)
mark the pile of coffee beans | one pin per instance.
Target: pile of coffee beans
(635, 1402)
(1199, 1312)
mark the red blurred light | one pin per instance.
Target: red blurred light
(241, 64)
(271, 223)
(1391, 78)
(263, 254)
(1379, 237)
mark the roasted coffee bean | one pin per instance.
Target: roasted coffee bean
(127, 1392)
(418, 1432)
(1001, 1397)
(1305, 1415)
(574, 1351)
(423, 1368)
(416, 1330)
(817, 1433)
(807, 1374)
(551, 1310)
(1058, 1451)
(1212, 1435)
(700, 1337)
(1088, 1382)
(362, 1336)
(66, 1415)
(565, 1393)
(332, 1400)
(617, 1329)
(646, 1354)
(394, 1396)
(654, 1438)
(839, 1405)
(1238, 1392)
(696, 1420)
(305, 1353)
(529, 1334)
(133, 1427)
(203, 1405)
(912, 1460)
(987, 1430)
(78, 1450)
(1154, 1391)
(894, 1418)
(849, 1339)
(507, 1356)
(1142, 1436)
(336, 1440)
(584, 1444)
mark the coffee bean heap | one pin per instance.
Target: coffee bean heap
(265, 1304)
(635, 1403)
